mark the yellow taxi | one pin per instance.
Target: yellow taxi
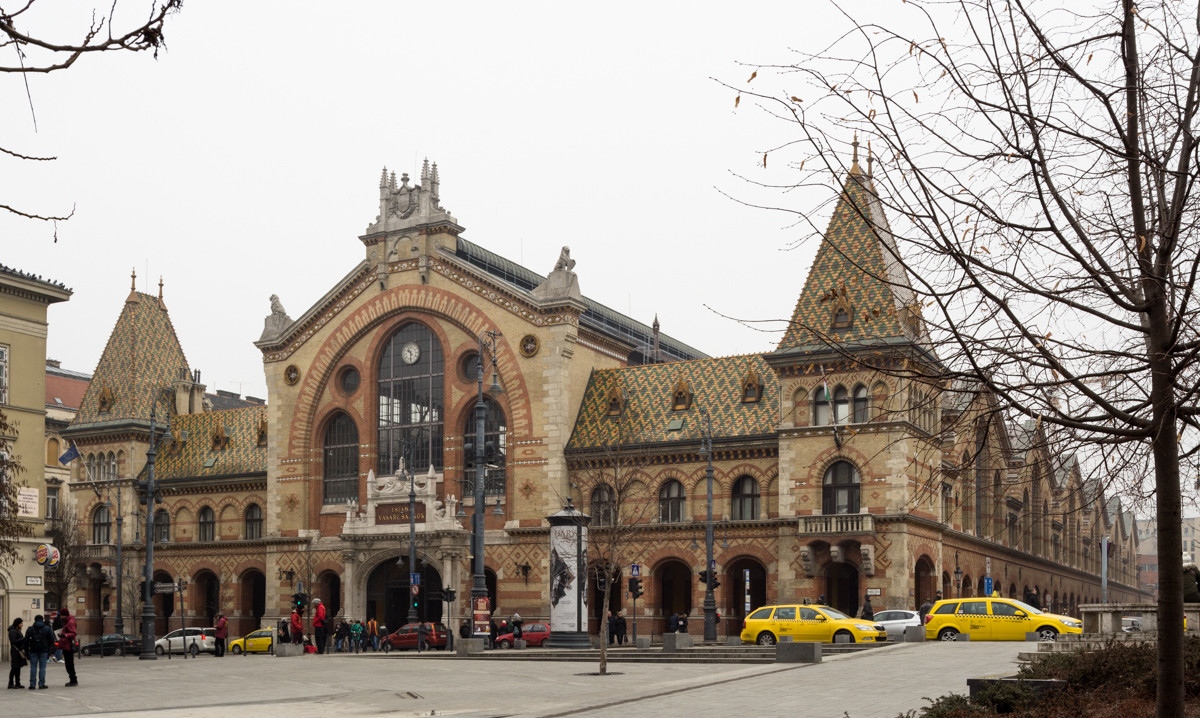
(994, 619)
(259, 641)
(805, 623)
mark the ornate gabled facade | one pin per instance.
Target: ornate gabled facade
(837, 472)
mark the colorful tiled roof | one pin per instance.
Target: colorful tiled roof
(856, 269)
(648, 392)
(206, 452)
(142, 357)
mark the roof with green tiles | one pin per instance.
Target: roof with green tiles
(857, 269)
(205, 451)
(648, 392)
(142, 356)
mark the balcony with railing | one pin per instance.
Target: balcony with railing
(837, 524)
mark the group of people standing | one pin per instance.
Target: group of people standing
(34, 645)
(616, 628)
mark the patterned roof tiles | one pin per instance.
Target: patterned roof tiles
(242, 454)
(649, 393)
(142, 357)
(856, 270)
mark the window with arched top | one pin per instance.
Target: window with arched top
(862, 405)
(340, 453)
(603, 505)
(840, 490)
(841, 405)
(101, 525)
(207, 525)
(495, 449)
(410, 393)
(112, 465)
(254, 522)
(744, 501)
(821, 409)
(162, 526)
(670, 502)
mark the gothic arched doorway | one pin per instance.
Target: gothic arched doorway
(597, 579)
(164, 605)
(389, 594)
(841, 580)
(675, 581)
(924, 584)
(253, 604)
(745, 587)
(206, 597)
(329, 590)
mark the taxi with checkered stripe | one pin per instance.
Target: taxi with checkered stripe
(994, 619)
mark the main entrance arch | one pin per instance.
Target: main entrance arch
(389, 593)
(675, 581)
(739, 591)
(841, 580)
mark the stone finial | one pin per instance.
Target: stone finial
(405, 205)
(383, 176)
(133, 280)
(160, 286)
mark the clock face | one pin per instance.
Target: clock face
(410, 353)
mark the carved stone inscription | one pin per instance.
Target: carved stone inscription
(397, 513)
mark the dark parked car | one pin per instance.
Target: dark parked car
(405, 637)
(112, 644)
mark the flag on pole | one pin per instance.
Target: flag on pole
(71, 454)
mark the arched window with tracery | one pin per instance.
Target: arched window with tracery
(841, 405)
(411, 387)
(101, 525)
(840, 494)
(862, 405)
(254, 522)
(603, 505)
(340, 453)
(820, 404)
(207, 524)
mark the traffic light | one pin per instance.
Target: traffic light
(300, 600)
(635, 587)
(448, 595)
(416, 601)
(704, 579)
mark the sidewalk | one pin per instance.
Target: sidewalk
(881, 683)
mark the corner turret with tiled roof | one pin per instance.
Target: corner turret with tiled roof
(857, 292)
(143, 357)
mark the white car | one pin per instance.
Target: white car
(192, 640)
(896, 620)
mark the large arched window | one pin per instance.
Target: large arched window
(495, 449)
(162, 526)
(411, 384)
(670, 502)
(820, 403)
(841, 489)
(253, 521)
(101, 525)
(841, 405)
(744, 501)
(602, 505)
(340, 479)
(862, 405)
(207, 524)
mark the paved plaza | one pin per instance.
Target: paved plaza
(880, 683)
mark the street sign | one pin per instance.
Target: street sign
(416, 590)
(987, 566)
(415, 579)
(164, 587)
(987, 586)
(635, 569)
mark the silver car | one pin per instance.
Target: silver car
(192, 640)
(896, 620)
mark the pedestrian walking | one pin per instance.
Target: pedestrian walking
(356, 635)
(222, 626)
(39, 641)
(620, 623)
(341, 636)
(868, 613)
(16, 653)
(612, 628)
(296, 627)
(319, 625)
(66, 642)
(373, 633)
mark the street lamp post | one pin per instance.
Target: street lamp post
(119, 623)
(710, 600)
(149, 494)
(412, 540)
(479, 593)
(957, 576)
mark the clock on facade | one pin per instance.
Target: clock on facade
(410, 353)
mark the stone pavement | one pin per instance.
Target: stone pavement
(880, 683)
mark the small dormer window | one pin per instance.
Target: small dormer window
(751, 387)
(681, 395)
(616, 403)
(220, 438)
(262, 433)
(842, 318)
(107, 399)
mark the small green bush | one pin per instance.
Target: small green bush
(1006, 697)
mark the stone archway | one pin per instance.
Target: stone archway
(253, 604)
(164, 605)
(745, 589)
(674, 584)
(329, 590)
(206, 597)
(389, 594)
(596, 577)
(924, 584)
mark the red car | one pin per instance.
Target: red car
(405, 637)
(535, 634)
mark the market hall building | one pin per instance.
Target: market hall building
(830, 478)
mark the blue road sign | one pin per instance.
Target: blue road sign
(987, 586)
(414, 578)
(635, 569)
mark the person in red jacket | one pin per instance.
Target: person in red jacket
(67, 643)
(297, 627)
(319, 628)
(222, 626)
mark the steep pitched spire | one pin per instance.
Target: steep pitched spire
(857, 291)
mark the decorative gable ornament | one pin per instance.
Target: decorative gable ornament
(220, 438)
(752, 386)
(681, 395)
(107, 399)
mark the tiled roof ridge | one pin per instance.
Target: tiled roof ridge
(5, 269)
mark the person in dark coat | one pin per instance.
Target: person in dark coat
(16, 653)
(67, 643)
(39, 641)
(612, 628)
(621, 625)
(673, 623)
(868, 613)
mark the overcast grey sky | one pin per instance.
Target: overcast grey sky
(245, 160)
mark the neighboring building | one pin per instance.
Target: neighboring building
(830, 478)
(1147, 531)
(24, 303)
(64, 393)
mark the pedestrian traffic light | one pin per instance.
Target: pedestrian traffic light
(704, 579)
(416, 601)
(635, 586)
(448, 595)
(299, 600)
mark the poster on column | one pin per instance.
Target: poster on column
(568, 578)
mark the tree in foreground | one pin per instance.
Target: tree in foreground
(1037, 163)
(12, 526)
(27, 48)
